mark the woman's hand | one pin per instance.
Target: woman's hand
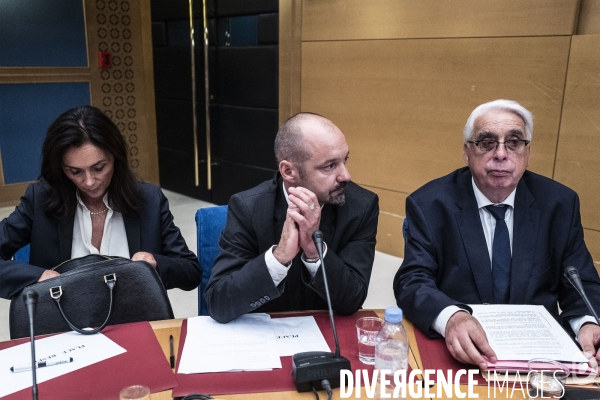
(143, 256)
(47, 275)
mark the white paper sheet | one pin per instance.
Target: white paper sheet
(298, 334)
(522, 377)
(84, 349)
(523, 332)
(246, 343)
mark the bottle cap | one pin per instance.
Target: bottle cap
(393, 315)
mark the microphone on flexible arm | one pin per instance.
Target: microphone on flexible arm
(319, 369)
(31, 298)
(572, 275)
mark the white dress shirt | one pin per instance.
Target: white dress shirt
(114, 238)
(279, 271)
(488, 222)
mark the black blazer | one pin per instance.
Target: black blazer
(447, 261)
(153, 231)
(240, 281)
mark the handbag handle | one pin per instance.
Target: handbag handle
(56, 294)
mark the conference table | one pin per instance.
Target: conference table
(164, 329)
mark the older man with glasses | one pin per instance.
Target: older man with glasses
(493, 232)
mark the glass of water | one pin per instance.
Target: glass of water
(546, 378)
(367, 329)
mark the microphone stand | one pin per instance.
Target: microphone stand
(318, 239)
(30, 298)
(316, 370)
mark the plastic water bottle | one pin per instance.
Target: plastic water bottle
(391, 349)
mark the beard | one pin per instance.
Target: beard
(340, 199)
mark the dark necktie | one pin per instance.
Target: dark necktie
(501, 256)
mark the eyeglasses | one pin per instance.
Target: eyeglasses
(512, 145)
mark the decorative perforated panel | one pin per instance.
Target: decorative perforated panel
(118, 86)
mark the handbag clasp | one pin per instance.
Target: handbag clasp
(56, 292)
(108, 277)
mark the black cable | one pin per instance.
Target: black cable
(327, 386)
(197, 396)
(315, 392)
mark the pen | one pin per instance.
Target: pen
(41, 364)
(172, 358)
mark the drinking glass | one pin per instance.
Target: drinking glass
(135, 392)
(546, 378)
(367, 329)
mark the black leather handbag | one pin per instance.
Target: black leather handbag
(93, 291)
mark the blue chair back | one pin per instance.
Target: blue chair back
(22, 255)
(210, 222)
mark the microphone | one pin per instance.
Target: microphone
(572, 275)
(319, 369)
(31, 298)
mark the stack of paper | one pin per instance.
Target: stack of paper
(522, 377)
(250, 342)
(519, 333)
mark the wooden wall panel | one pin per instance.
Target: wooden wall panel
(290, 57)
(148, 152)
(589, 18)
(12, 193)
(403, 103)
(44, 74)
(391, 218)
(579, 143)
(393, 19)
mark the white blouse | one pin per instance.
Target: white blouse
(114, 239)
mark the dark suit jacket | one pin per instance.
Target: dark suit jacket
(447, 261)
(240, 281)
(153, 231)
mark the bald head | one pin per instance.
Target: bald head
(312, 154)
(293, 135)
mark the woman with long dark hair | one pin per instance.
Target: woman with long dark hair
(88, 201)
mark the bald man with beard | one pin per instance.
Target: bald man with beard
(268, 261)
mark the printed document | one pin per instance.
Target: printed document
(297, 335)
(523, 332)
(84, 349)
(246, 343)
